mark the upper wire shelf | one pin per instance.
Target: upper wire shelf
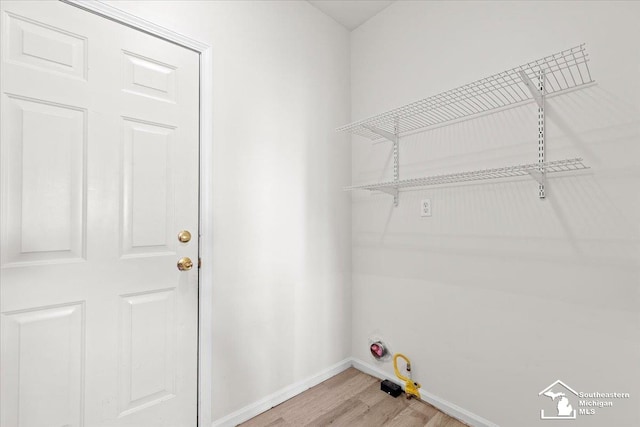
(534, 170)
(564, 70)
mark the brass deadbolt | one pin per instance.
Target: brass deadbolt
(184, 236)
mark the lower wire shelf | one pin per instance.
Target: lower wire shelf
(537, 171)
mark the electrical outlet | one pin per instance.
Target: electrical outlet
(425, 207)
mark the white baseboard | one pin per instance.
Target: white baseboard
(268, 402)
(443, 405)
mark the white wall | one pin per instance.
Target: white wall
(499, 294)
(282, 254)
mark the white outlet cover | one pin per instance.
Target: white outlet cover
(425, 207)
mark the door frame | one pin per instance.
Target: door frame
(205, 279)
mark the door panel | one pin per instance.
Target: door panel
(99, 175)
(148, 202)
(148, 352)
(45, 181)
(147, 77)
(46, 47)
(42, 357)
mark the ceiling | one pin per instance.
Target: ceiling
(351, 13)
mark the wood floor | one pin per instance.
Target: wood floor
(352, 399)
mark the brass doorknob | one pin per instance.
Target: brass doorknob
(184, 236)
(185, 264)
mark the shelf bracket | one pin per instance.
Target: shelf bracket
(538, 176)
(392, 191)
(395, 139)
(383, 133)
(535, 90)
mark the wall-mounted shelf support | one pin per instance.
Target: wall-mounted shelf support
(537, 91)
(538, 176)
(395, 140)
(557, 73)
(541, 146)
(389, 190)
(396, 162)
(383, 133)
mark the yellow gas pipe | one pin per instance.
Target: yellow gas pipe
(411, 387)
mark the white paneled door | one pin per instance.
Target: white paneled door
(99, 177)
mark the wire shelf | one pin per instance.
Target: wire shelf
(563, 70)
(533, 169)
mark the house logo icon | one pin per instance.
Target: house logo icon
(559, 392)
